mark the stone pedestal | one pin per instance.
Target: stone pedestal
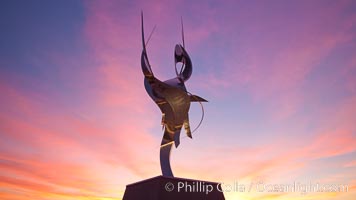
(168, 188)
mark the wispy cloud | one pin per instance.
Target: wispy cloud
(279, 77)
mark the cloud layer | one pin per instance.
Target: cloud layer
(76, 122)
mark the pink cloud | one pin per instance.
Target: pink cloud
(51, 148)
(282, 158)
(274, 67)
(66, 150)
(350, 164)
(56, 148)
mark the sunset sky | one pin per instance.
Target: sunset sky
(77, 123)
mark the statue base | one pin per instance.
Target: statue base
(172, 188)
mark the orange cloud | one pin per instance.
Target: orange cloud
(52, 151)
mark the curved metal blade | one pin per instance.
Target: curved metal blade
(145, 65)
(181, 20)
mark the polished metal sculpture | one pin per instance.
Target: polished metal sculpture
(172, 98)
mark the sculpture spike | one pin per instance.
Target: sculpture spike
(181, 20)
(149, 37)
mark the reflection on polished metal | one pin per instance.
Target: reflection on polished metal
(172, 98)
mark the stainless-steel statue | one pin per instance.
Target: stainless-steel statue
(172, 98)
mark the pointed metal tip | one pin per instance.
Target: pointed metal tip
(181, 20)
